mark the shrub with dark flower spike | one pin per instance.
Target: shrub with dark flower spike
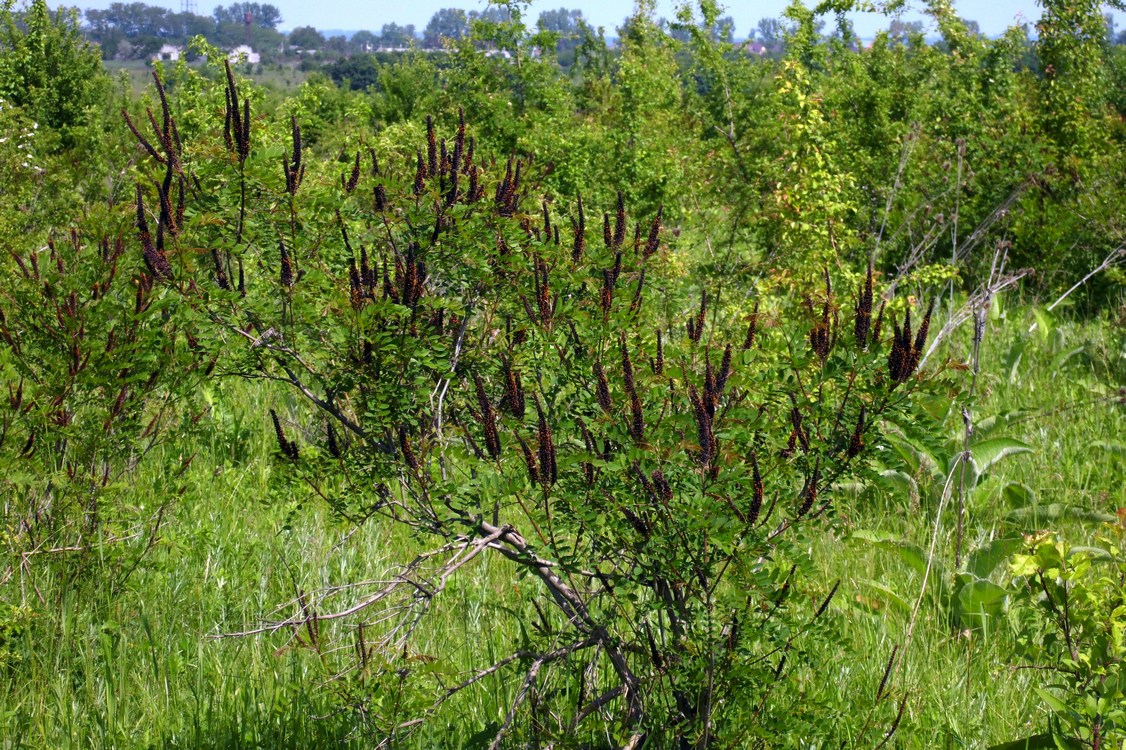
(864, 311)
(856, 440)
(878, 325)
(488, 419)
(799, 430)
(752, 329)
(286, 272)
(602, 389)
(757, 492)
(811, 490)
(579, 228)
(419, 175)
(637, 417)
(407, 450)
(624, 565)
(355, 285)
(545, 451)
(921, 337)
(662, 487)
(725, 370)
(220, 272)
(696, 327)
(638, 295)
(529, 461)
(607, 297)
(653, 243)
(367, 274)
(705, 438)
(544, 306)
(906, 351)
(513, 391)
(155, 259)
(619, 224)
(431, 148)
(353, 179)
(287, 447)
(791, 444)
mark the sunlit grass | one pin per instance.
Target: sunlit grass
(140, 667)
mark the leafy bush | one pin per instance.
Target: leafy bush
(488, 373)
(47, 67)
(99, 373)
(1072, 608)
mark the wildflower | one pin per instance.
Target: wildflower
(488, 419)
(579, 228)
(864, 311)
(752, 329)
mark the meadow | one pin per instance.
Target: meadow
(675, 399)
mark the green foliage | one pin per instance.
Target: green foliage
(490, 376)
(48, 69)
(610, 607)
(97, 375)
(358, 71)
(1072, 609)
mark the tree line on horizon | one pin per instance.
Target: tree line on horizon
(137, 30)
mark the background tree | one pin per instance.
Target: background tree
(359, 71)
(448, 23)
(364, 41)
(769, 32)
(306, 37)
(562, 21)
(337, 45)
(394, 35)
(723, 30)
(48, 69)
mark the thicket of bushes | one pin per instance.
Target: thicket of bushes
(630, 332)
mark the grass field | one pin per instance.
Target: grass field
(102, 664)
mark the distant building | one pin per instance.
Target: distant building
(245, 53)
(169, 53)
(755, 48)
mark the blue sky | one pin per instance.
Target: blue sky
(993, 15)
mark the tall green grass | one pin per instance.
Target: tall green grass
(140, 666)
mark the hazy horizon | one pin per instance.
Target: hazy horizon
(993, 17)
